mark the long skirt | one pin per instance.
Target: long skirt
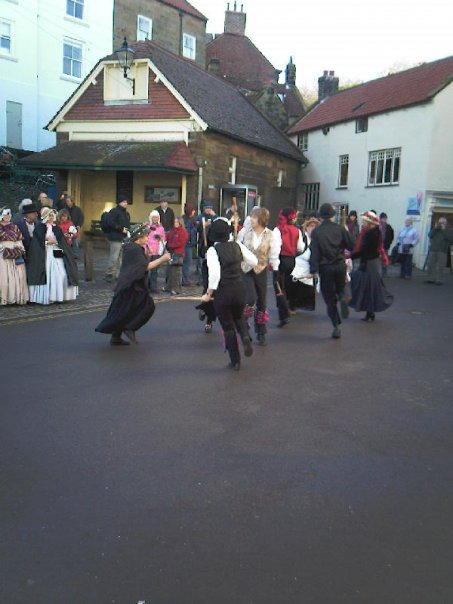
(56, 288)
(130, 309)
(368, 290)
(13, 278)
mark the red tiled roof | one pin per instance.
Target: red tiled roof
(186, 7)
(410, 87)
(112, 155)
(241, 62)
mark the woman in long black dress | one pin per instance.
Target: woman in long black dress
(368, 291)
(132, 305)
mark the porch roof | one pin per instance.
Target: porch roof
(111, 155)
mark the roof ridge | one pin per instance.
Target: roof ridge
(243, 36)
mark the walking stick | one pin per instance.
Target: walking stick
(205, 239)
(234, 205)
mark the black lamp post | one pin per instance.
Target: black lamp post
(126, 58)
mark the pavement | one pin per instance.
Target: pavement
(320, 473)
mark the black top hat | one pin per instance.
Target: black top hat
(29, 209)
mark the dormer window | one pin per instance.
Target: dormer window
(118, 89)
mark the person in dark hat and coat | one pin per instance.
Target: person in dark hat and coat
(226, 288)
(132, 305)
(119, 222)
(27, 223)
(328, 243)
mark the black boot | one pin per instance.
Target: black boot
(242, 327)
(231, 344)
(369, 317)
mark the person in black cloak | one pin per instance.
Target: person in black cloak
(226, 287)
(132, 305)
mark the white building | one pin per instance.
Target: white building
(385, 145)
(47, 47)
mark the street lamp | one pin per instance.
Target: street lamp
(126, 58)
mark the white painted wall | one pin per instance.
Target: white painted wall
(32, 74)
(425, 135)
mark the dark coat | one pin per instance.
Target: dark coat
(167, 218)
(76, 215)
(119, 219)
(388, 235)
(22, 226)
(36, 259)
(328, 242)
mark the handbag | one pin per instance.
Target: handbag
(11, 253)
(58, 253)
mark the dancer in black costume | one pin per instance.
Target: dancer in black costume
(226, 287)
(132, 305)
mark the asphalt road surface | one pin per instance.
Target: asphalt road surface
(320, 473)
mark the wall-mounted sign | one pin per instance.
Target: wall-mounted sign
(158, 194)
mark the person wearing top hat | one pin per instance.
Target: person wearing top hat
(27, 223)
(328, 243)
(132, 305)
(119, 222)
(368, 291)
(227, 289)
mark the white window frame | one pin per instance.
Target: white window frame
(232, 169)
(280, 177)
(302, 141)
(361, 125)
(75, 4)
(7, 52)
(384, 167)
(343, 172)
(189, 46)
(73, 44)
(149, 34)
(311, 195)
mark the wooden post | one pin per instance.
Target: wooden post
(88, 257)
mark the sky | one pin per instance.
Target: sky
(359, 40)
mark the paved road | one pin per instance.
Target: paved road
(320, 473)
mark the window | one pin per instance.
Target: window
(232, 170)
(281, 175)
(343, 171)
(72, 59)
(5, 37)
(384, 167)
(125, 184)
(144, 28)
(311, 196)
(74, 8)
(302, 141)
(189, 47)
(361, 125)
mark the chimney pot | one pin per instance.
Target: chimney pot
(331, 73)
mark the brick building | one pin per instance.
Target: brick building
(182, 133)
(174, 24)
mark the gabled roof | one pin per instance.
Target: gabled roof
(292, 99)
(108, 155)
(241, 62)
(185, 7)
(411, 87)
(216, 105)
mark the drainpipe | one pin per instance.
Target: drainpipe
(180, 33)
(202, 163)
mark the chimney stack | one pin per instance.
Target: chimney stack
(235, 20)
(327, 85)
(214, 66)
(290, 73)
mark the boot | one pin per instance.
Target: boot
(242, 327)
(231, 344)
(117, 340)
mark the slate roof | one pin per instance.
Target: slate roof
(186, 7)
(108, 155)
(220, 105)
(403, 89)
(241, 62)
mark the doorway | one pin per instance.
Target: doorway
(14, 125)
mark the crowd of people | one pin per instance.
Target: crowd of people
(345, 262)
(38, 251)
